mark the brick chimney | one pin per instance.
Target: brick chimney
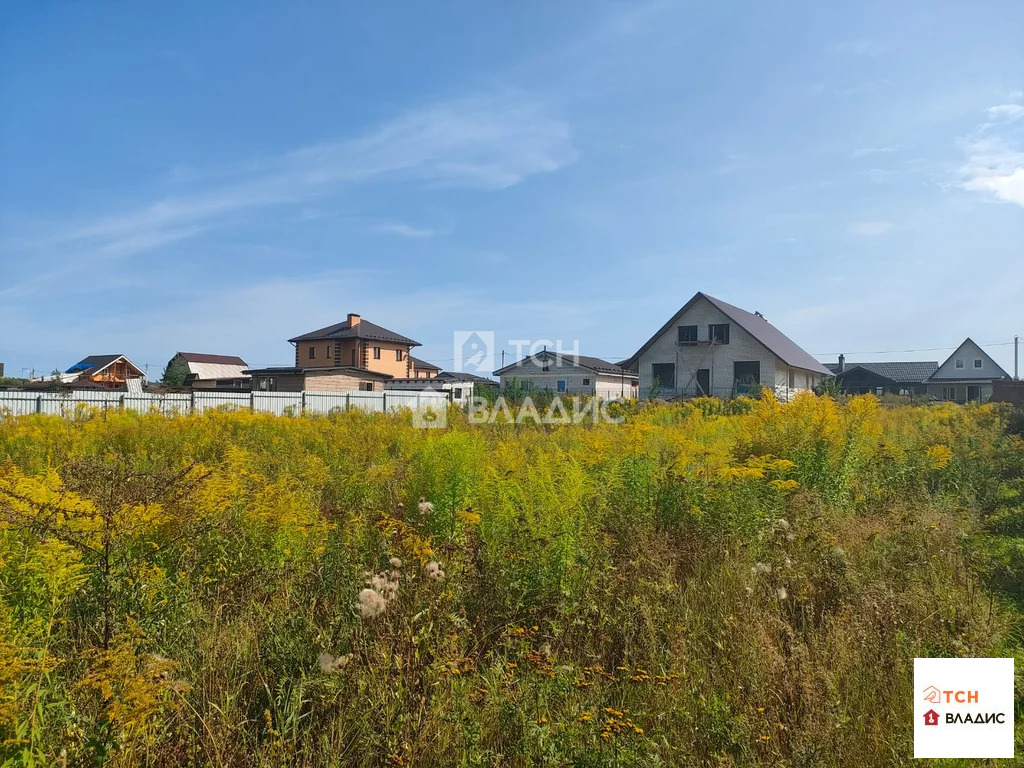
(842, 363)
(353, 320)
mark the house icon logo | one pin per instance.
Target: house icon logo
(931, 717)
(932, 695)
(474, 352)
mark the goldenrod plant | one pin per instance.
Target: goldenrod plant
(727, 583)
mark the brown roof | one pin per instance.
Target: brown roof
(199, 357)
(364, 329)
(292, 371)
(423, 365)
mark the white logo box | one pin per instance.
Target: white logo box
(976, 692)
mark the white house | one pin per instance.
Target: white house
(462, 387)
(966, 375)
(212, 371)
(712, 348)
(571, 374)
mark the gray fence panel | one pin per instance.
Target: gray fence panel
(19, 402)
(277, 403)
(205, 401)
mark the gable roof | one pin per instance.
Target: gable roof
(423, 365)
(968, 373)
(595, 364)
(909, 371)
(199, 357)
(93, 364)
(770, 337)
(364, 329)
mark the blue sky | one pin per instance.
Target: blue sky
(219, 177)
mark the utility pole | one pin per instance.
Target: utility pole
(1016, 351)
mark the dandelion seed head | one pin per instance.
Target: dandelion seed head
(762, 568)
(425, 507)
(783, 523)
(781, 593)
(749, 591)
(395, 562)
(370, 604)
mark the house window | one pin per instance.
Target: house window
(664, 374)
(312, 353)
(747, 373)
(718, 333)
(586, 382)
(457, 393)
(544, 368)
(398, 355)
(959, 362)
(366, 386)
(376, 353)
(977, 362)
(687, 334)
(560, 384)
(949, 393)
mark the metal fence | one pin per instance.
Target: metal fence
(21, 402)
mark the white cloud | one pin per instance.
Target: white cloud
(871, 228)
(1006, 111)
(482, 143)
(405, 230)
(867, 151)
(994, 157)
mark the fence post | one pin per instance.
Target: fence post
(384, 401)
(252, 400)
(302, 402)
(39, 403)
(347, 398)
(192, 401)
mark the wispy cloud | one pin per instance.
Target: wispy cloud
(994, 156)
(406, 230)
(871, 228)
(488, 143)
(868, 151)
(1006, 111)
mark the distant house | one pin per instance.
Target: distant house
(892, 378)
(105, 370)
(421, 369)
(355, 343)
(571, 374)
(968, 375)
(204, 371)
(323, 379)
(352, 355)
(713, 348)
(462, 387)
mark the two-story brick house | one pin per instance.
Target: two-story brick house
(351, 355)
(710, 347)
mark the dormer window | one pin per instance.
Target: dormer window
(687, 334)
(977, 362)
(959, 362)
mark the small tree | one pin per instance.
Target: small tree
(175, 373)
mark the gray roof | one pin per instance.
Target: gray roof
(770, 337)
(904, 372)
(364, 329)
(201, 357)
(593, 363)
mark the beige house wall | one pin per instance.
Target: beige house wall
(339, 382)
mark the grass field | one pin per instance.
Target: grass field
(712, 584)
